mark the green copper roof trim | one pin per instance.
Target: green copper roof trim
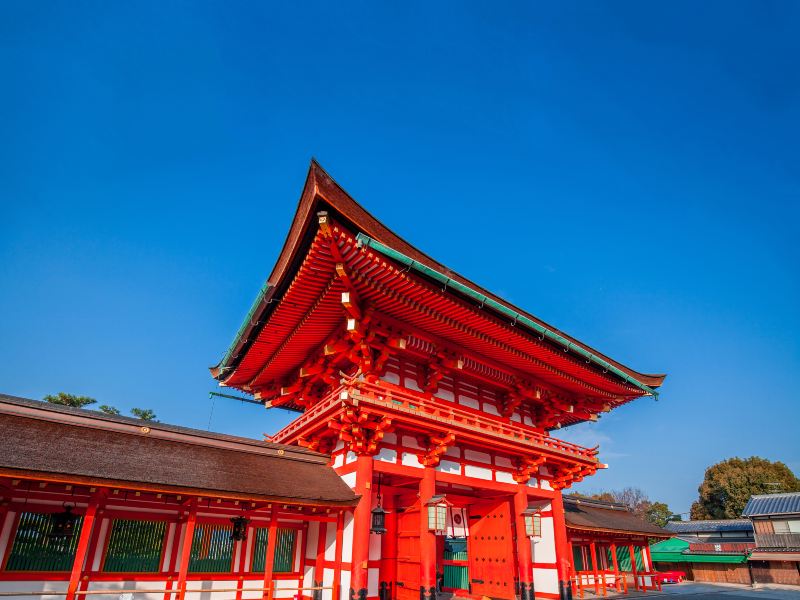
(365, 240)
(223, 365)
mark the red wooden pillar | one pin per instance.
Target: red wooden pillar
(269, 558)
(427, 539)
(83, 545)
(632, 552)
(186, 549)
(563, 560)
(616, 566)
(647, 557)
(319, 564)
(593, 551)
(337, 569)
(388, 573)
(361, 523)
(524, 556)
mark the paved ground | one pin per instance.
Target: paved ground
(722, 591)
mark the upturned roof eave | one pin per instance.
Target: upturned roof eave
(320, 188)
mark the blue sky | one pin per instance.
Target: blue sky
(627, 171)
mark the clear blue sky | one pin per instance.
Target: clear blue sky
(629, 172)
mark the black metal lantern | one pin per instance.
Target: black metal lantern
(239, 532)
(378, 514)
(63, 524)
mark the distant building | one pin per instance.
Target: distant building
(609, 544)
(776, 522)
(712, 551)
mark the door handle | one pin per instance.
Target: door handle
(477, 580)
(401, 584)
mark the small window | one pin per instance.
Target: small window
(33, 548)
(284, 550)
(212, 549)
(134, 546)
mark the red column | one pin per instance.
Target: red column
(427, 539)
(563, 560)
(186, 549)
(83, 546)
(632, 552)
(269, 559)
(388, 575)
(524, 556)
(361, 524)
(593, 550)
(319, 565)
(337, 569)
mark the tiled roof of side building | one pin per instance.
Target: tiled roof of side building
(772, 504)
(38, 439)
(594, 515)
(711, 526)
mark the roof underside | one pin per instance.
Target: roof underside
(300, 308)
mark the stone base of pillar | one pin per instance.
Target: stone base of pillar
(427, 593)
(385, 591)
(358, 595)
(565, 590)
(526, 591)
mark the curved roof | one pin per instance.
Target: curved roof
(593, 515)
(74, 445)
(322, 193)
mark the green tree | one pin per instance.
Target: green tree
(728, 485)
(109, 410)
(65, 399)
(658, 513)
(145, 414)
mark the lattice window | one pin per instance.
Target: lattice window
(212, 549)
(284, 550)
(34, 550)
(134, 546)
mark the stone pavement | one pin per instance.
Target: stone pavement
(720, 591)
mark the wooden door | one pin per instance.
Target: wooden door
(408, 528)
(491, 550)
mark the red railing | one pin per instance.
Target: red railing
(396, 399)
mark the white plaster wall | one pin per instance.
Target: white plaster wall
(374, 546)
(544, 548)
(327, 581)
(386, 455)
(477, 472)
(503, 461)
(411, 460)
(35, 586)
(504, 477)
(338, 461)
(330, 542)
(372, 582)
(308, 579)
(545, 580)
(5, 533)
(448, 466)
(284, 588)
(349, 479)
(344, 592)
(351, 457)
(139, 585)
(481, 457)
(313, 539)
(347, 539)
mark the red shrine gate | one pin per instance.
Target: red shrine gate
(432, 396)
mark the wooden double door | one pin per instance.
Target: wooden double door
(490, 549)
